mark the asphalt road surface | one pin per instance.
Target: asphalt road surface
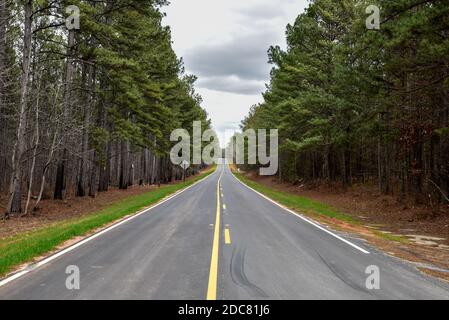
(221, 240)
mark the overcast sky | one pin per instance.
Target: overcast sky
(225, 43)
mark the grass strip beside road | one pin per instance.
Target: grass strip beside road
(23, 248)
(311, 207)
(296, 202)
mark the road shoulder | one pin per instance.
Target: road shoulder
(24, 252)
(429, 260)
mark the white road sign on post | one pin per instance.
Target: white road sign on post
(184, 165)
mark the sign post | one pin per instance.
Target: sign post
(184, 165)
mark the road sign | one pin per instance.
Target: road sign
(185, 164)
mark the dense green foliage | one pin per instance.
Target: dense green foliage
(89, 107)
(353, 104)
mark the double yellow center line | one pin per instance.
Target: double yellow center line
(213, 274)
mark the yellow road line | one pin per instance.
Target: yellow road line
(213, 273)
(227, 236)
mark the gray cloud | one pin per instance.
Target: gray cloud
(232, 84)
(225, 43)
(263, 11)
(239, 65)
(228, 126)
(244, 57)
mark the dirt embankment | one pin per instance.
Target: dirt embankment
(55, 210)
(365, 203)
(51, 211)
(382, 218)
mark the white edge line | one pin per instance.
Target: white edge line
(94, 236)
(302, 217)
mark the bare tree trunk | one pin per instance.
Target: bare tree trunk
(15, 195)
(143, 170)
(44, 172)
(83, 169)
(124, 167)
(444, 144)
(131, 172)
(154, 163)
(153, 169)
(93, 184)
(160, 170)
(3, 79)
(2, 51)
(50, 156)
(343, 170)
(103, 166)
(36, 144)
(150, 167)
(105, 172)
(326, 164)
(60, 185)
(81, 185)
(118, 161)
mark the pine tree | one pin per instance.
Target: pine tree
(358, 104)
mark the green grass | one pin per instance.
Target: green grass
(391, 237)
(297, 203)
(24, 247)
(311, 207)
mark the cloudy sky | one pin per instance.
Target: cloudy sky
(225, 43)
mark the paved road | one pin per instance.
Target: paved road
(230, 244)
